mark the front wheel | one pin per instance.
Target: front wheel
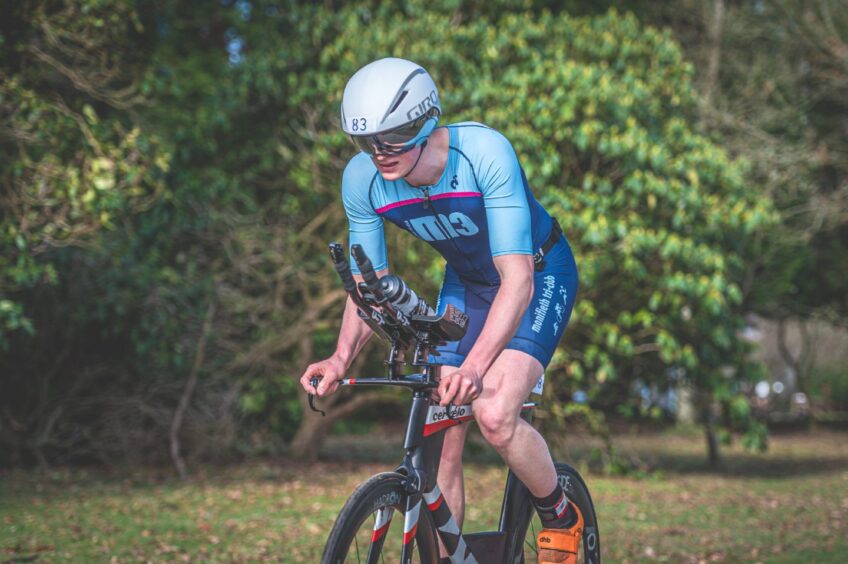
(528, 524)
(362, 532)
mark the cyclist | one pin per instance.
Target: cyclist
(509, 268)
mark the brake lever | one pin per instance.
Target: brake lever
(311, 399)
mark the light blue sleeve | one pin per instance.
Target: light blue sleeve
(504, 193)
(365, 226)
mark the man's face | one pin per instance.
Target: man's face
(394, 167)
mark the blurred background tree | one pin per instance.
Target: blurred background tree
(170, 179)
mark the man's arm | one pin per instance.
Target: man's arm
(354, 332)
(353, 335)
(507, 309)
(509, 306)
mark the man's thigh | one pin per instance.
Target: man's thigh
(506, 386)
(509, 382)
(543, 323)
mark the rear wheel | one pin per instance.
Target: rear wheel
(369, 528)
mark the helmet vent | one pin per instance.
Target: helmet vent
(397, 104)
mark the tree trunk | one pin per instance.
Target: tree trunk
(685, 406)
(806, 357)
(713, 452)
(182, 406)
(310, 435)
(314, 427)
(715, 20)
(801, 362)
(708, 422)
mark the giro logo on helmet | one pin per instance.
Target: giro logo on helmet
(432, 100)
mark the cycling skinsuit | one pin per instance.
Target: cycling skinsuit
(480, 208)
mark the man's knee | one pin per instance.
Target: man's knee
(497, 426)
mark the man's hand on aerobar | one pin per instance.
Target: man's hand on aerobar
(329, 371)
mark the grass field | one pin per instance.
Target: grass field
(788, 505)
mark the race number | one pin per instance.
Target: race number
(360, 125)
(540, 385)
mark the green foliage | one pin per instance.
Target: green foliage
(71, 165)
(234, 156)
(660, 218)
(773, 88)
(830, 387)
(658, 215)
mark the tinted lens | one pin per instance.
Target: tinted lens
(373, 144)
(365, 143)
(403, 134)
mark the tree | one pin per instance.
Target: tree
(772, 85)
(240, 194)
(73, 160)
(600, 112)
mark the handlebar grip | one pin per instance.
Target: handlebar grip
(367, 270)
(337, 254)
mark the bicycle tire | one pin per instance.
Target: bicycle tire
(578, 493)
(384, 490)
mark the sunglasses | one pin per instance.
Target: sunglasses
(399, 140)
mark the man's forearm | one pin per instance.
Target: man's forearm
(353, 334)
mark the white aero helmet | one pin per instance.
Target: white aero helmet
(390, 106)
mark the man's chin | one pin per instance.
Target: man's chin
(391, 176)
(391, 169)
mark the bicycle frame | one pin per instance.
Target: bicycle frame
(424, 437)
(423, 442)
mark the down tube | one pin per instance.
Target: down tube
(447, 528)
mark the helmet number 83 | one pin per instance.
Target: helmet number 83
(359, 124)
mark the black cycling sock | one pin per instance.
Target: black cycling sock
(555, 510)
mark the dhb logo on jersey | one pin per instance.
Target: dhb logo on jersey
(440, 226)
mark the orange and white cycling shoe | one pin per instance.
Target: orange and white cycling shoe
(560, 546)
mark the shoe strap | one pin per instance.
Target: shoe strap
(563, 540)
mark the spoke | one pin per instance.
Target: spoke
(532, 544)
(356, 543)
